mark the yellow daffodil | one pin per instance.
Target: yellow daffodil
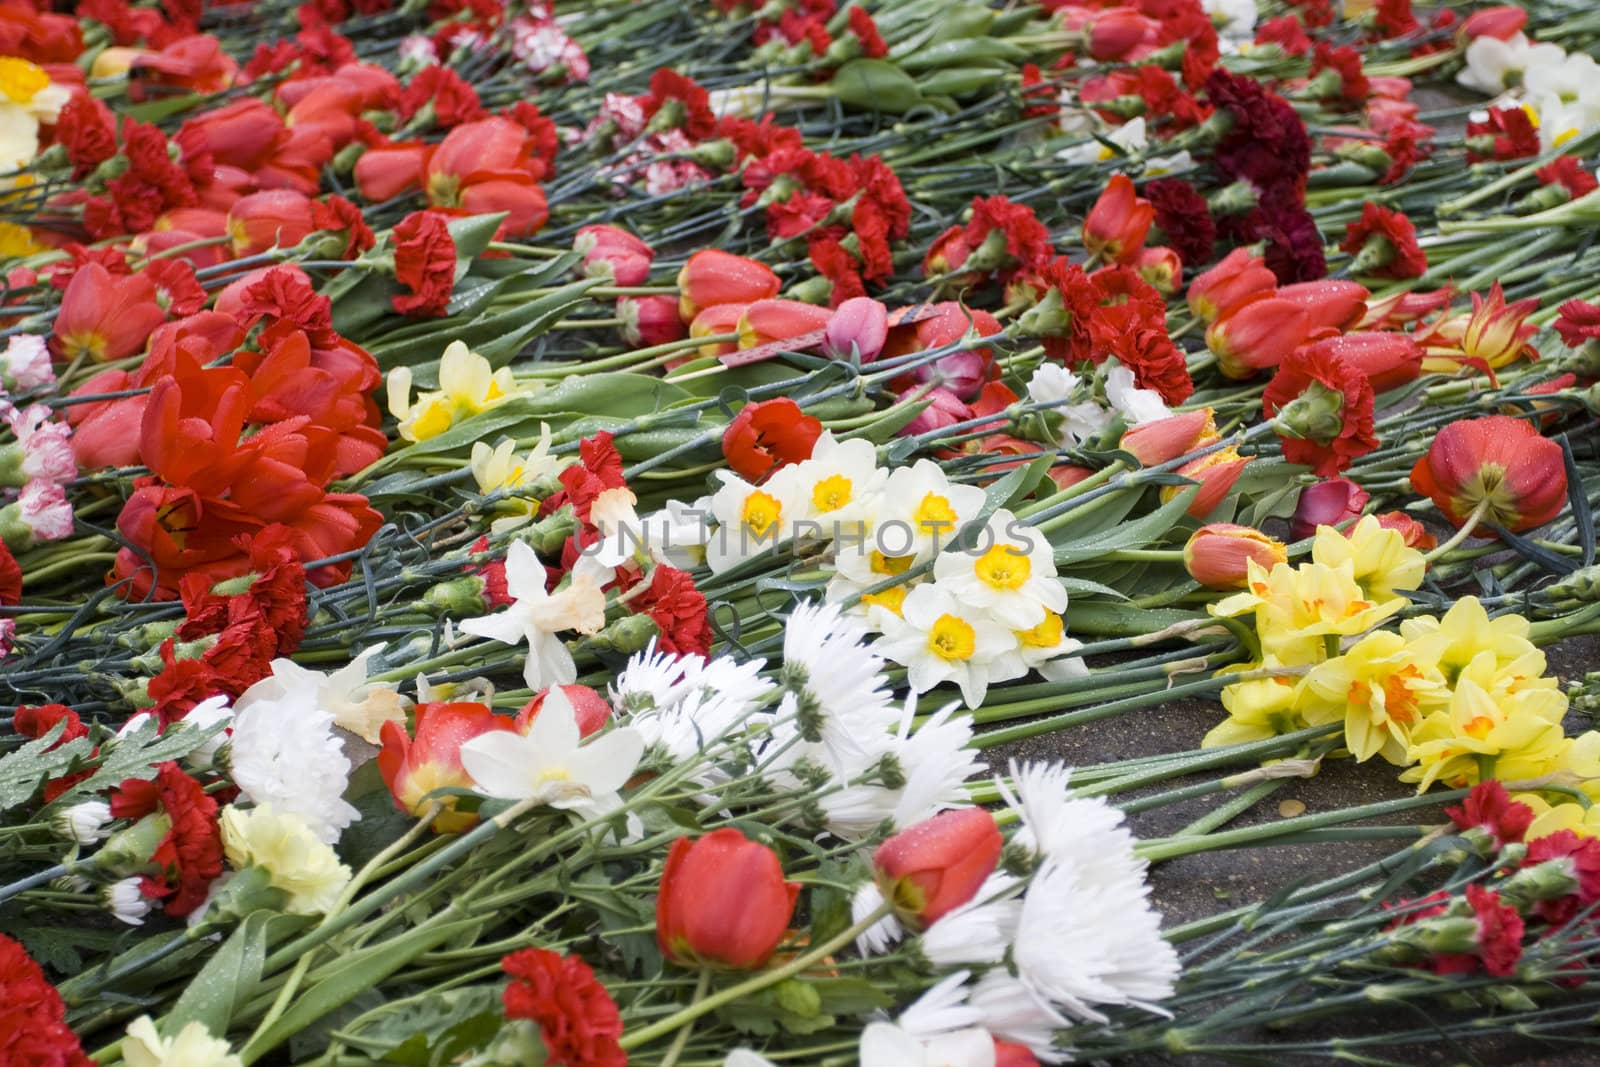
(499, 468)
(1465, 631)
(1552, 818)
(1257, 709)
(1509, 736)
(1381, 689)
(1298, 608)
(1380, 558)
(467, 387)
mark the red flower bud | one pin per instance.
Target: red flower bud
(1237, 277)
(1332, 502)
(589, 707)
(384, 173)
(714, 321)
(767, 435)
(648, 321)
(771, 320)
(1216, 472)
(1218, 555)
(1389, 360)
(713, 277)
(413, 767)
(1157, 442)
(1502, 23)
(1162, 268)
(1256, 335)
(1117, 32)
(1328, 303)
(723, 902)
(614, 253)
(1117, 224)
(1499, 463)
(929, 869)
(278, 217)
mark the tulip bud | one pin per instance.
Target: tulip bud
(1216, 472)
(1502, 23)
(771, 320)
(1332, 502)
(1118, 223)
(1497, 463)
(714, 321)
(929, 869)
(712, 277)
(1162, 440)
(723, 902)
(279, 218)
(944, 409)
(1328, 303)
(857, 330)
(1117, 32)
(648, 321)
(1162, 268)
(614, 253)
(1237, 277)
(1256, 335)
(588, 706)
(948, 253)
(1389, 360)
(1217, 556)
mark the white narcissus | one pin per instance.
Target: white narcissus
(550, 764)
(940, 638)
(538, 617)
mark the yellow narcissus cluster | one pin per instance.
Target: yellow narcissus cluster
(1455, 700)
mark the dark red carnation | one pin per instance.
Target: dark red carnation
(425, 263)
(1266, 143)
(1184, 219)
(577, 1018)
(1406, 144)
(679, 611)
(1580, 857)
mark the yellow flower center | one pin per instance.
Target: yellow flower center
(935, 514)
(1478, 727)
(890, 565)
(831, 493)
(20, 80)
(952, 638)
(1046, 635)
(891, 598)
(761, 512)
(1004, 567)
(16, 241)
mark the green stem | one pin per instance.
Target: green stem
(676, 1048)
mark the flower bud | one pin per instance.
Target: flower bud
(126, 902)
(857, 330)
(1237, 277)
(1389, 360)
(457, 599)
(771, 320)
(1328, 302)
(1162, 440)
(712, 277)
(1332, 502)
(929, 869)
(1216, 472)
(413, 767)
(1256, 335)
(1162, 268)
(714, 321)
(648, 321)
(1502, 22)
(588, 707)
(627, 635)
(1498, 463)
(1116, 33)
(84, 823)
(944, 409)
(723, 902)
(279, 218)
(1217, 556)
(614, 253)
(1117, 225)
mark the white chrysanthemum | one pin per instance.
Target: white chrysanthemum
(1055, 385)
(283, 845)
(882, 935)
(84, 823)
(1007, 569)
(284, 751)
(978, 932)
(1015, 1013)
(836, 682)
(940, 1029)
(936, 760)
(193, 1047)
(940, 637)
(1051, 818)
(654, 679)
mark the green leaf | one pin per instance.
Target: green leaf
(23, 771)
(1079, 587)
(227, 980)
(473, 233)
(1013, 486)
(1136, 534)
(134, 755)
(430, 1030)
(1098, 618)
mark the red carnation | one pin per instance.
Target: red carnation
(1005, 237)
(1346, 63)
(1569, 173)
(425, 263)
(1490, 809)
(1579, 322)
(1321, 405)
(836, 265)
(1580, 859)
(581, 483)
(337, 213)
(577, 1018)
(493, 572)
(679, 611)
(1498, 939)
(453, 99)
(866, 31)
(191, 853)
(1384, 243)
(1286, 32)
(10, 578)
(666, 84)
(1406, 144)
(1393, 18)
(33, 1030)
(1038, 96)
(36, 722)
(177, 290)
(1508, 133)
(1184, 219)
(183, 683)
(86, 129)
(767, 435)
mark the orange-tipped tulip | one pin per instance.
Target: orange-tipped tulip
(1329, 303)
(1256, 335)
(712, 277)
(105, 317)
(1216, 472)
(413, 767)
(1496, 463)
(1218, 556)
(723, 902)
(1162, 440)
(1118, 222)
(766, 321)
(1237, 277)
(929, 869)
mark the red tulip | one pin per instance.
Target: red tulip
(493, 150)
(723, 902)
(1161, 267)
(588, 706)
(1237, 277)
(523, 202)
(648, 321)
(712, 277)
(1389, 360)
(105, 317)
(332, 103)
(1116, 33)
(613, 253)
(1330, 502)
(1216, 472)
(1117, 224)
(929, 869)
(1328, 303)
(715, 321)
(413, 767)
(1496, 464)
(1218, 555)
(390, 171)
(279, 218)
(1416, 535)
(1010, 1054)
(766, 321)
(767, 435)
(1162, 440)
(1256, 335)
(1502, 22)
